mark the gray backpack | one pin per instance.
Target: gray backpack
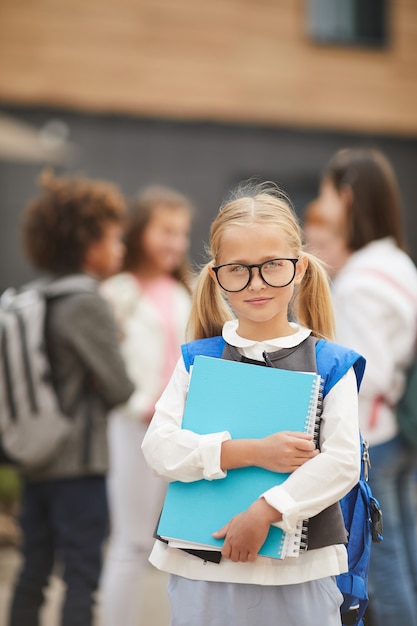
(33, 426)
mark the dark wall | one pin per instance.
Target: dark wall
(202, 160)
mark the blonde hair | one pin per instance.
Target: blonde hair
(262, 204)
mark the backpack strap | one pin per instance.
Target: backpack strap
(334, 360)
(211, 346)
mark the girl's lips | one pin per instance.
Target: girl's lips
(258, 300)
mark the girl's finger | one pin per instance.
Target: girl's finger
(219, 534)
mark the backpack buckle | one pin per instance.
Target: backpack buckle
(350, 617)
(366, 460)
(376, 521)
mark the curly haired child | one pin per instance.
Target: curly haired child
(72, 230)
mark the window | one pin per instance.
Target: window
(348, 22)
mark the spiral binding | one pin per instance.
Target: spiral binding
(303, 535)
(293, 543)
(315, 408)
(319, 411)
(283, 545)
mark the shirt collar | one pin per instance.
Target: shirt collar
(231, 336)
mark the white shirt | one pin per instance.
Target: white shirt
(142, 341)
(176, 454)
(375, 300)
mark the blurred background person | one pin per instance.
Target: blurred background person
(73, 228)
(151, 302)
(355, 225)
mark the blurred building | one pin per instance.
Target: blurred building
(201, 95)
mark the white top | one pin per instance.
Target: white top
(375, 299)
(143, 343)
(176, 454)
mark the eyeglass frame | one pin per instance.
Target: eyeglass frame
(250, 267)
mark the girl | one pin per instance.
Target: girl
(151, 302)
(356, 226)
(257, 263)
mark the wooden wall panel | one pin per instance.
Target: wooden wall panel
(230, 60)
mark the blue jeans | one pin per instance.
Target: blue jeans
(67, 519)
(393, 565)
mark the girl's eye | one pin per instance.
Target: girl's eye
(238, 269)
(273, 265)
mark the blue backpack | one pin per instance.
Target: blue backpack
(361, 511)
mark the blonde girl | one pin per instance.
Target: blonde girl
(264, 294)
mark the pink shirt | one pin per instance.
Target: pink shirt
(160, 292)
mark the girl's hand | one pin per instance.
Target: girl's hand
(280, 452)
(246, 532)
(284, 451)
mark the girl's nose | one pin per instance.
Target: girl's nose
(256, 281)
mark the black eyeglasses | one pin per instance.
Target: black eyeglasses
(235, 277)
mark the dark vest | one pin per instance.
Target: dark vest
(326, 528)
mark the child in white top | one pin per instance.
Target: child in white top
(255, 244)
(151, 303)
(356, 226)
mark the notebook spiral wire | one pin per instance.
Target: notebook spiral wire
(316, 439)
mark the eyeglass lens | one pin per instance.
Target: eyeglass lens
(276, 273)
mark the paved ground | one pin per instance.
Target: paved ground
(155, 611)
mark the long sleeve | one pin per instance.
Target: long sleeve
(177, 454)
(330, 475)
(375, 300)
(85, 324)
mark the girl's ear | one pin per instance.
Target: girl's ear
(212, 273)
(300, 269)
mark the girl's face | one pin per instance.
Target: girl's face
(262, 310)
(325, 229)
(166, 239)
(104, 257)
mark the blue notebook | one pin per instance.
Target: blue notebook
(249, 401)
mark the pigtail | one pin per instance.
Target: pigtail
(209, 310)
(313, 303)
